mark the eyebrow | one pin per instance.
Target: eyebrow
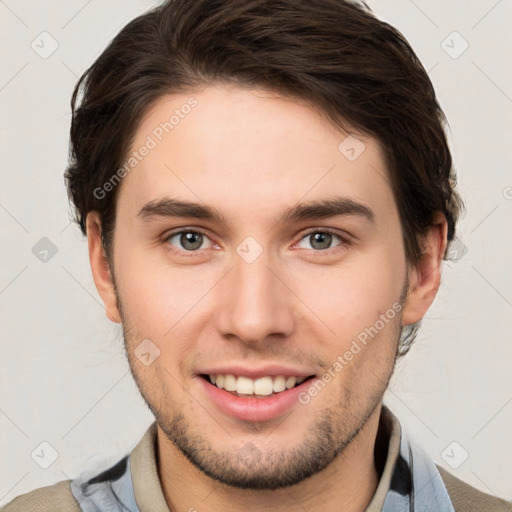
(312, 210)
(324, 208)
(168, 207)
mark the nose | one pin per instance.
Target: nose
(254, 302)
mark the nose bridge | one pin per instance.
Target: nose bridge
(254, 302)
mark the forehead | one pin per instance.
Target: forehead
(248, 152)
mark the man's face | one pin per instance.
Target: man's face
(258, 295)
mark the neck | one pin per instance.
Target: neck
(351, 479)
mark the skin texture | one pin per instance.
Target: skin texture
(252, 155)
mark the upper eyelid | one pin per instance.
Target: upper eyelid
(332, 231)
(179, 231)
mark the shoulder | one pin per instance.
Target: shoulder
(54, 498)
(468, 499)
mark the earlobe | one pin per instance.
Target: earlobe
(425, 277)
(100, 267)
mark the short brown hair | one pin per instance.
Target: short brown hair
(335, 54)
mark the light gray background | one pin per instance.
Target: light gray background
(64, 379)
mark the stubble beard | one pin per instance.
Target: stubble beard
(249, 467)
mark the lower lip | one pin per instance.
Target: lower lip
(251, 408)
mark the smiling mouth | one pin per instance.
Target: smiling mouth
(263, 387)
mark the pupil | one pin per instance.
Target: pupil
(323, 238)
(187, 240)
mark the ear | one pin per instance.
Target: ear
(425, 277)
(100, 267)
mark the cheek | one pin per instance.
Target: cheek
(351, 296)
(361, 359)
(165, 305)
(154, 295)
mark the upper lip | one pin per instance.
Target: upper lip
(271, 370)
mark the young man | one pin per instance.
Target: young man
(268, 196)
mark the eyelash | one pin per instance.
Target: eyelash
(343, 241)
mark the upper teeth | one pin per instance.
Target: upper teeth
(261, 386)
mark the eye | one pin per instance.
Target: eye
(188, 240)
(321, 240)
